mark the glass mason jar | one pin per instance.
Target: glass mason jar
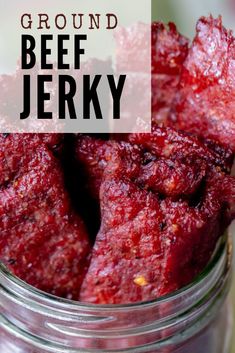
(195, 319)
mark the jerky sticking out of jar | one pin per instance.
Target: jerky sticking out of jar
(135, 258)
(204, 104)
(42, 241)
(165, 144)
(169, 50)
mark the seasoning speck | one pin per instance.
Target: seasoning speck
(140, 281)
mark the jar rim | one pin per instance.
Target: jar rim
(180, 314)
(37, 293)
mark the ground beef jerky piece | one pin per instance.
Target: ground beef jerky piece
(171, 177)
(204, 104)
(169, 50)
(170, 143)
(17, 149)
(92, 156)
(42, 241)
(210, 60)
(113, 271)
(166, 148)
(150, 245)
(164, 176)
(209, 114)
(194, 232)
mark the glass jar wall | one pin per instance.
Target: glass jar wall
(195, 319)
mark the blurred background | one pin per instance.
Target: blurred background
(185, 13)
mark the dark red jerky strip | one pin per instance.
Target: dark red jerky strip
(16, 150)
(169, 50)
(208, 114)
(42, 241)
(171, 162)
(205, 103)
(172, 178)
(166, 177)
(121, 252)
(169, 143)
(210, 61)
(197, 229)
(163, 243)
(93, 155)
